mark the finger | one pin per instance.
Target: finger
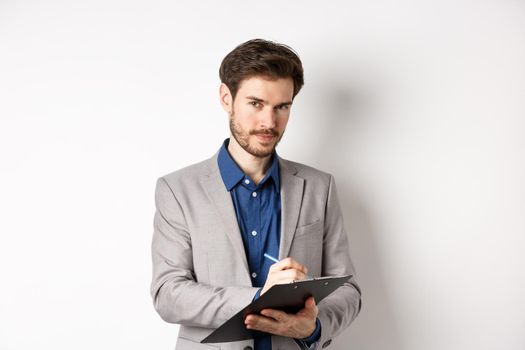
(277, 315)
(288, 263)
(310, 302)
(312, 305)
(249, 318)
(291, 263)
(310, 308)
(261, 323)
(293, 275)
(286, 276)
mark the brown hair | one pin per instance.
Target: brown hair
(259, 57)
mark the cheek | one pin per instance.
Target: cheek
(245, 115)
(281, 122)
(243, 118)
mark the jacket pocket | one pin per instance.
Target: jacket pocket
(307, 247)
(314, 227)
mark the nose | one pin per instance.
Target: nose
(267, 118)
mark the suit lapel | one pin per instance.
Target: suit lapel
(292, 188)
(222, 201)
(291, 197)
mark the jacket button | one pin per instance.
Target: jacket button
(326, 343)
(248, 348)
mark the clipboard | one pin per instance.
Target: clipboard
(288, 297)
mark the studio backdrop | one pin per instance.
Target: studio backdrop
(416, 107)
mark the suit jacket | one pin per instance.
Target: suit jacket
(200, 271)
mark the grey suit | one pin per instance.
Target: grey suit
(200, 270)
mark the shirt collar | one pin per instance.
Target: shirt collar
(231, 173)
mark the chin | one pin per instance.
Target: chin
(264, 147)
(262, 152)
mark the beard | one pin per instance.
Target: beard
(243, 138)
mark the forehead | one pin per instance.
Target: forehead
(266, 88)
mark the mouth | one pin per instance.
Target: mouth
(264, 138)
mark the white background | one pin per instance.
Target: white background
(416, 107)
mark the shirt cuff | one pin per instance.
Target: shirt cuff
(308, 341)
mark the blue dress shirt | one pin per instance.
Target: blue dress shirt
(258, 210)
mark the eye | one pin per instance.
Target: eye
(284, 107)
(255, 104)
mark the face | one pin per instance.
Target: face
(259, 113)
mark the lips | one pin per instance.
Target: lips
(264, 137)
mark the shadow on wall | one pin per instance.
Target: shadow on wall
(348, 112)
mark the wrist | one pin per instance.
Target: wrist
(314, 335)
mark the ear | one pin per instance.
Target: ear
(226, 98)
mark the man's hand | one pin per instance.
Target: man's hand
(300, 325)
(285, 271)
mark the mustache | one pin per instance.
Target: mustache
(264, 132)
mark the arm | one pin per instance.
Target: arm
(338, 310)
(177, 296)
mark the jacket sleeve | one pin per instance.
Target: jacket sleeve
(338, 310)
(177, 296)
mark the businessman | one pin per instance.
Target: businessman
(216, 219)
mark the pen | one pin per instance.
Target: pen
(268, 256)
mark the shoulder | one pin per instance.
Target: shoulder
(188, 176)
(192, 170)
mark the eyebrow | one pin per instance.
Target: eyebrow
(253, 98)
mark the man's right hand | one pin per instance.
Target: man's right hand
(284, 271)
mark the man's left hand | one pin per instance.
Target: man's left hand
(300, 325)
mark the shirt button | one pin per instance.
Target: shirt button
(254, 233)
(254, 274)
(254, 194)
(247, 181)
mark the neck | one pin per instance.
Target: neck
(254, 167)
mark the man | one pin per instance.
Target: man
(216, 219)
